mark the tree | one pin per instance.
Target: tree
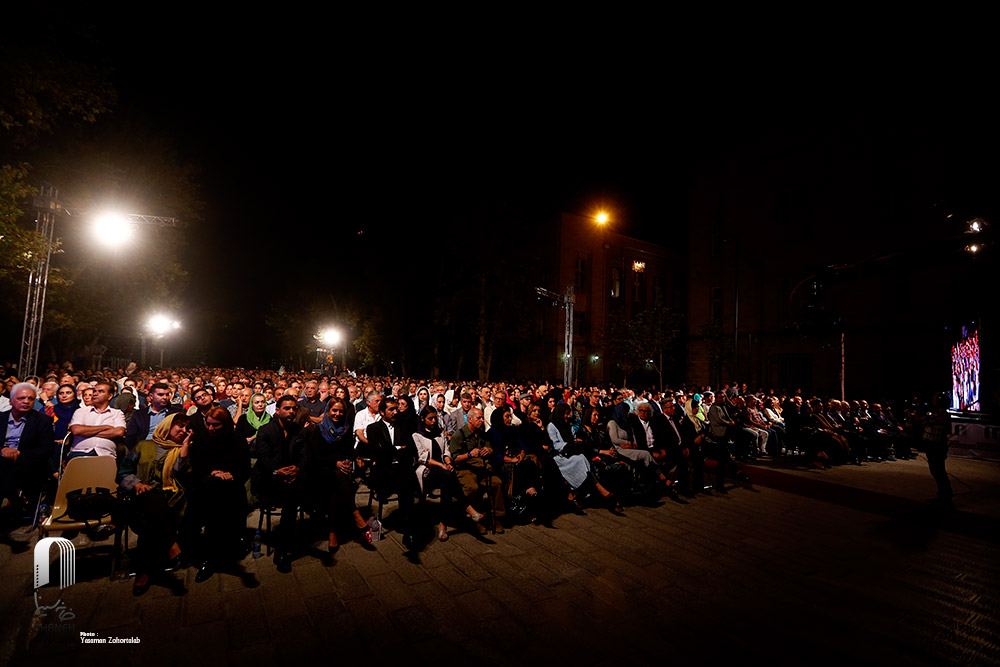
(656, 330)
(624, 346)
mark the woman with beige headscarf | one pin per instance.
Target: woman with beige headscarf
(152, 476)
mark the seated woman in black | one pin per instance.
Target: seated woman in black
(523, 476)
(220, 467)
(434, 469)
(608, 468)
(538, 449)
(154, 473)
(327, 476)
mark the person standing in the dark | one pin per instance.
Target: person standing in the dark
(937, 427)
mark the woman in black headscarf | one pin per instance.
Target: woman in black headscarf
(609, 469)
(406, 417)
(220, 468)
(327, 475)
(524, 477)
(434, 469)
(61, 412)
(573, 465)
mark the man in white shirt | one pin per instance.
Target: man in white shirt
(95, 428)
(366, 417)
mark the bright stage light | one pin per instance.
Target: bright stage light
(160, 324)
(330, 337)
(112, 228)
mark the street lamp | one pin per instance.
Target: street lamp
(328, 339)
(158, 325)
(112, 229)
(47, 206)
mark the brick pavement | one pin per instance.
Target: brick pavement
(801, 567)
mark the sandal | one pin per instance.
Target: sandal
(442, 533)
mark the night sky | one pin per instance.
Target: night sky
(307, 132)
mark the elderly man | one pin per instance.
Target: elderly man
(364, 419)
(472, 456)
(26, 439)
(96, 427)
(313, 402)
(459, 418)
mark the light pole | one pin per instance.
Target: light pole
(566, 302)
(602, 219)
(328, 339)
(158, 326)
(47, 206)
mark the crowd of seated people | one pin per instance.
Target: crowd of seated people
(198, 448)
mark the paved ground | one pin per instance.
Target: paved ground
(835, 567)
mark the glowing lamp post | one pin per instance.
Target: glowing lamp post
(113, 229)
(328, 339)
(158, 326)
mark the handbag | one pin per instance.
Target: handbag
(90, 504)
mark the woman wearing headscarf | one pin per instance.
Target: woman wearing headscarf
(154, 474)
(434, 469)
(220, 467)
(609, 469)
(61, 412)
(573, 465)
(422, 400)
(327, 476)
(256, 416)
(523, 474)
(406, 417)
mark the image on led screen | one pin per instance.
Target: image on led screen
(965, 372)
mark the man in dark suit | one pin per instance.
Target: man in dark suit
(279, 449)
(26, 443)
(145, 419)
(394, 454)
(660, 434)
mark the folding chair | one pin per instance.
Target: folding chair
(81, 473)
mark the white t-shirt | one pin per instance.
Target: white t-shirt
(361, 422)
(89, 416)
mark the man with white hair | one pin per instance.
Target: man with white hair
(26, 441)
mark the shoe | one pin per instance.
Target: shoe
(283, 562)
(670, 493)
(326, 558)
(721, 489)
(442, 533)
(205, 572)
(743, 477)
(409, 542)
(475, 516)
(481, 528)
(689, 494)
(499, 529)
(141, 584)
(706, 492)
(614, 505)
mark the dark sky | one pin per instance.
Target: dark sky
(309, 129)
